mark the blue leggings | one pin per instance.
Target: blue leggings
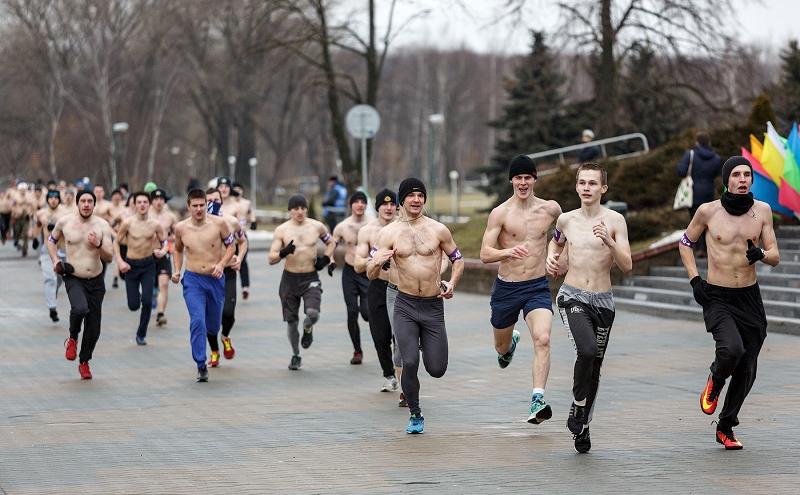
(204, 296)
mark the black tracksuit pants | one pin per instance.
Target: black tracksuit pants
(86, 301)
(379, 325)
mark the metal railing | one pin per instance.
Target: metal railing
(601, 143)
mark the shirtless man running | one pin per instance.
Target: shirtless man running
(380, 323)
(734, 225)
(598, 239)
(104, 206)
(140, 232)
(296, 241)
(209, 247)
(163, 215)
(415, 244)
(215, 205)
(88, 248)
(354, 284)
(246, 216)
(516, 236)
(44, 222)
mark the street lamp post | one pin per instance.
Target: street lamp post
(232, 167)
(253, 162)
(117, 129)
(434, 120)
(454, 194)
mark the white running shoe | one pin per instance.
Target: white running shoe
(390, 385)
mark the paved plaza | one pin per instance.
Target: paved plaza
(143, 425)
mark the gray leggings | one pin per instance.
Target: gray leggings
(419, 325)
(391, 297)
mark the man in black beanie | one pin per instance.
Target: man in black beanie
(414, 246)
(382, 291)
(296, 242)
(737, 226)
(516, 238)
(354, 285)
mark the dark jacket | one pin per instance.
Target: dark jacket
(706, 166)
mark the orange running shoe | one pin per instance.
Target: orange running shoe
(710, 395)
(214, 362)
(227, 348)
(83, 369)
(72, 349)
(729, 440)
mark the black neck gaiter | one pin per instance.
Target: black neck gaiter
(737, 204)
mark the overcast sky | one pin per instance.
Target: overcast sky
(768, 23)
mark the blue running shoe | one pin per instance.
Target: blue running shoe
(505, 359)
(540, 410)
(416, 424)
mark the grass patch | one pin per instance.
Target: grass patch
(468, 236)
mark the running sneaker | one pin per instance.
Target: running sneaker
(295, 363)
(227, 348)
(72, 349)
(308, 338)
(357, 358)
(540, 410)
(202, 374)
(710, 395)
(728, 439)
(245, 293)
(53, 315)
(214, 362)
(390, 385)
(140, 341)
(83, 369)
(505, 359)
(577, 419)
(161, 320)
(416, 424)
(582, 441)
(402, 402)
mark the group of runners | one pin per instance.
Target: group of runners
(392, 278)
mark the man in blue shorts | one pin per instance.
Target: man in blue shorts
(209, 246)
(516, 236)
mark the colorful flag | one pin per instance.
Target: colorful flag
(789, 189)
(772, 155)
(756, 147)
(764, 188)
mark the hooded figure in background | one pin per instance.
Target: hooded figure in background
(706, 166)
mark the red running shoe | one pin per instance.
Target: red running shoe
(227, 348)
(86, 373)
(710, 395)
(729, 440)
(72, 349)
(357, 358)
(214, 362)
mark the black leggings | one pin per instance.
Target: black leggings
(379, 325)
(228, 308)
(5, 225)
(354, 287)
(244, 272)
(419, 325)
(142, 275)
(86, 301)
(736, 319)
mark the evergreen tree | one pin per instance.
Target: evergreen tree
(535, 118)
(790, 83)
(650, 106)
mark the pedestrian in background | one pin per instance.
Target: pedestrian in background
(705, 167)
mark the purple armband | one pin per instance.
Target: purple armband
(687, 242)
(228, 240)
(52, 239)
(455, 255)
(558, 236)
(325, 237)
(164, 243)
(240, 233)
(372, 251)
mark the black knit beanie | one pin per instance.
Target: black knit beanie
(383, 197)
(411, 185)
(730, 164)
(358, 196)
(296, 201)
(521, 164)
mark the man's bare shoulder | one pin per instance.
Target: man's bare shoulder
(614, 216)
(552, 207)
(499, 212)
(101, 222)
(762, 207)
(316, 224)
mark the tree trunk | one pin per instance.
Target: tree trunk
(606, 90)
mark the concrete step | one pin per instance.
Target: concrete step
(789, 244)
(790, 255)
(784, 266)
(768, 292)
(789, 309)
(777, 279)
(776, 324)
(788, 231)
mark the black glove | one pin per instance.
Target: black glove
(322, 262)
(253, 225)
(387, 265)
(35, 243)
(754, 253)
(64, 268)
(699, 290)
(289, 249)
(331, 268)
